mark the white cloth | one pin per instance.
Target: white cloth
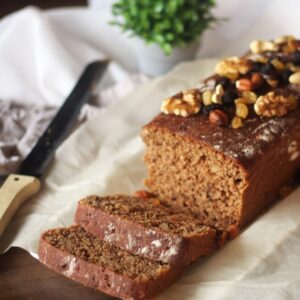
(40, 62)
(42, 54)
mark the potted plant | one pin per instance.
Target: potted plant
(167, 31)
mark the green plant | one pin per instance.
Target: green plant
(168, 23)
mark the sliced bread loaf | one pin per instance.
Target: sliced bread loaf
(147, 228)
(97, 264)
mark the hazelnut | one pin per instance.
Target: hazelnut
(218, 117)
(257, 80)
(244, 84)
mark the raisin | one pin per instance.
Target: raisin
(256, 66)
(225, 82)
(268, 69)
(296, 57)
(284, 76)
(229, 97)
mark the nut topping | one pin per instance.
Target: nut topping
(244, 84)
(272, 105)
(184, 104)
(232, 67)
(258, 46)
(258, 82)
(218, 117)
(284, 39)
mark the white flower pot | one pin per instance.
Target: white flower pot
(153, 61)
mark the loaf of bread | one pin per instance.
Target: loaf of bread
(224, 149)
(95, 263)
(217, 155)
(144, 227)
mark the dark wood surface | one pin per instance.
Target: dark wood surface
(9, 6)
(24, 278)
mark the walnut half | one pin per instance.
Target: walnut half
(272, 105)
(184, 104)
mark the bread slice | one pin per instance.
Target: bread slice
(95, 263)
(147, 228)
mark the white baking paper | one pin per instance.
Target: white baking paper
(105, 157)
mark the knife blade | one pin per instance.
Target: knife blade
(26, 182)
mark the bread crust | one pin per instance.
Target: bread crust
(152, 243)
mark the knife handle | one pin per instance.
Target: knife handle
(13, 192)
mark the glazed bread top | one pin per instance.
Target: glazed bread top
(245, 108)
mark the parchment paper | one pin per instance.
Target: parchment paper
(104, 156)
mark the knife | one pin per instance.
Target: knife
(17, 188)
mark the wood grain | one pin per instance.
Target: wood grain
(24, 278)
(15, 190)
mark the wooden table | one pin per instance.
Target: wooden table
(24, 278)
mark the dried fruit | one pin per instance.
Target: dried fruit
(218, 117)
(278, 64)
(218, 94)
(271, 105)
(292, 67)
(244, 84)
(296, 57)
(285, 75)
(250, 96)
(295, 78)
(241, 100)
(241, 110)
(232, 67)
(268, 69)
(206, 97)
(224, 81)
(272, 82)
(229, 97)
(236, 123)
